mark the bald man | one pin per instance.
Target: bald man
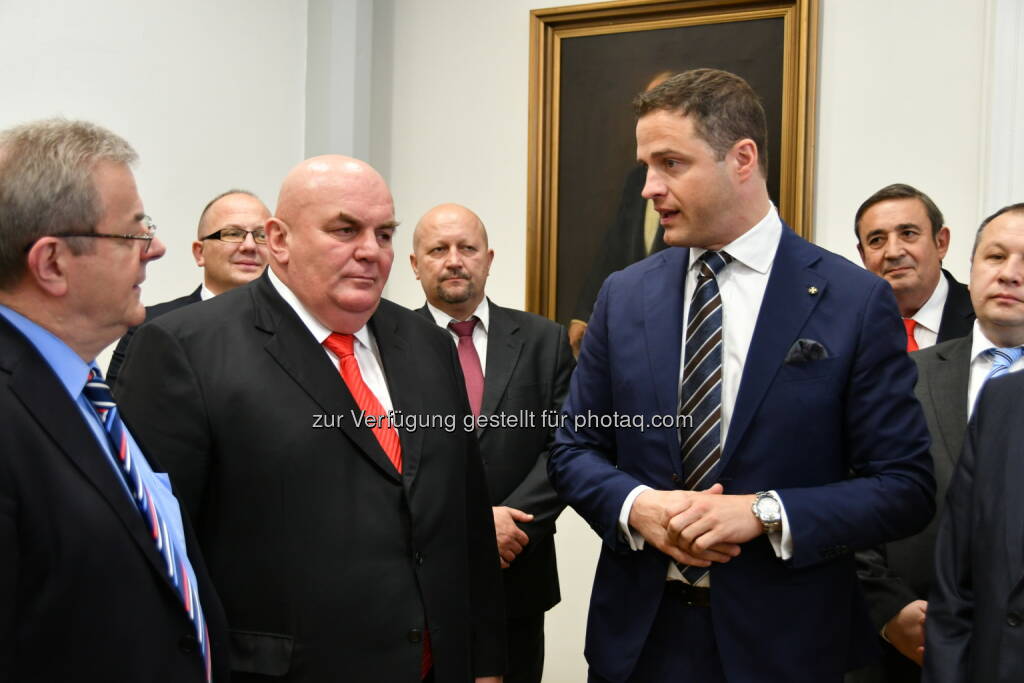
(350, 542)
(230, 247)
(515, 364)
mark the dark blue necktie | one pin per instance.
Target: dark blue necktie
(700, 396)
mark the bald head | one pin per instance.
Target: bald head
(448, 214)
(330, 239)
(451, 259)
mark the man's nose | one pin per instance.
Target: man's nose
(654, 186)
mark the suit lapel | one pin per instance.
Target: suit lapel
(400, 363)
(1014, 475)
(787, 304)
(45, 398)
(663, 285)
(294, 349)
(950, 379)
(503, 348)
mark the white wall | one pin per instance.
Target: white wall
(210, 94)
(901, 100)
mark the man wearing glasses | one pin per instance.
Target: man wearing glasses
(231, 249)
(101, 578)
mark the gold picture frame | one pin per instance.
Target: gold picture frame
(585, 66)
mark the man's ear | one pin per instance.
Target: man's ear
(942, 242)
(744, 155)
(197, 253)
(277, 239)
(415, 268)
(47, 262)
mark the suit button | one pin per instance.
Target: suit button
(188, 643)
(414, 635)
(418, 558)
(676, 479)
(1013, 619)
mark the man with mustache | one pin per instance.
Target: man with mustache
(514, 363)
(901, 237)
(231, 249)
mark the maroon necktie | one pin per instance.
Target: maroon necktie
(470, 362)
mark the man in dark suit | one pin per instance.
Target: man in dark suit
(101, 578)
(896, 577)
(230, 247)
(518, 365)
(345, 517)
(974, 628)
(901, 236)
(728, 541)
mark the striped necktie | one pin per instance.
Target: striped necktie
(98, 394)
(1002, 359)
(701, 391)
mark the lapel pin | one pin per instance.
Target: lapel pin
(812, 290)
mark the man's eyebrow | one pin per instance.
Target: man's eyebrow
(349, 218)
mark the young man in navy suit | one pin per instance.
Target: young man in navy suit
(733, 464)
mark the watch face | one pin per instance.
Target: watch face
(768, 509)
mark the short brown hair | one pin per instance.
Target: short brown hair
(723, 106)
(46, 185)
(900, 191)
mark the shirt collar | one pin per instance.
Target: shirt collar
(979, 342)
(315, 327)
(205, 294)
(482, 312)
(756, 247)
(70, 369)
(929, 316)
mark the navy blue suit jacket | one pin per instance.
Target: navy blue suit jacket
(842, 440)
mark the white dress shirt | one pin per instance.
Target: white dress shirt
(365, 346)
(741, 286)
(929, 316)
(483, 312)
(981, 363)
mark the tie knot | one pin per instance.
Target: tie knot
(909, 324)
(465, 328)
(714, 261)
(1004, 358)
(340, 344)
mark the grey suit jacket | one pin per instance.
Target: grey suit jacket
(898, 573)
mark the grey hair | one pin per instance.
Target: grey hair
(46, 185)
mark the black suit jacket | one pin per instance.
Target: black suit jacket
(958, 312)
(894, 575)
(83, 592)
(529, 363)
(117, 358)
(975, 625)
(330, 564)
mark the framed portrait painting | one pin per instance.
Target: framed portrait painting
(587, 62)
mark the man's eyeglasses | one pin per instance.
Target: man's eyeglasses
(147, 237)
(259, 235)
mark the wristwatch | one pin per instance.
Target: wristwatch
(768, 509)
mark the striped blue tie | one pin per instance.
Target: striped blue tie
(98, 394)
(1002, 359)
(700, 395)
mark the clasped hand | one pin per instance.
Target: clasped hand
(695, 527)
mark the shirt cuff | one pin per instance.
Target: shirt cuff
(781, 540)
(633, 538)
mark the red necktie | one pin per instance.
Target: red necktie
(470, 362)
(909, 324)
(387, 436)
